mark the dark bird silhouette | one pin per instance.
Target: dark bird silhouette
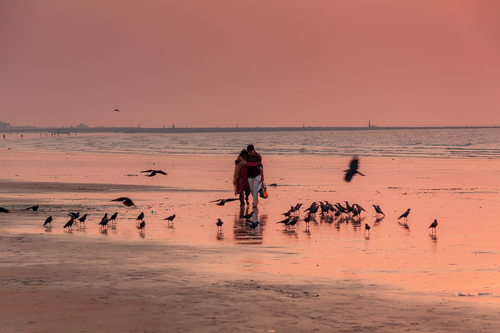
(405, 215)
(378, 210)
(222, 202)
(170, 218)
(248, 216)
(48, 220)
(251, 224)
(153, 173)
(126, 201)
(83, 219)
(219, 224)
(293, 221)
(74, 215)
(140, 217)
(353, 169)
(285, 221)
(116, 110)
(434, 225)
(69, 224)
(307, 219)
(104, 221)
(367, 228)
(34, 208)
(142, 226)
(3, 210)
(113, 217)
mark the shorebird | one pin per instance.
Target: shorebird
(83, 218)
(126, 201)
(3, 210)
(142, 226)
(405, 215)
(153, 173)
(219, 224)
(222, 202)
(104, 221)
(170, 218)
(353, 169)
(34, 208)
(113, 217)
(434, 225)
(48, 220)
(140, 217)
(69, 224)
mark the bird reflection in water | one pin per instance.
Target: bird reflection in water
(378, 220)
(247, 227)
(404, 225)
(433, 236)
(104, 232)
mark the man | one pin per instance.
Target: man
(255, 173)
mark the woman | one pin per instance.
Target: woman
(240, 177)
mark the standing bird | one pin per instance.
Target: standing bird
(378, 210)
(153, 173)
(434, 225)
(142, 226)
(3, 210)
(140, 217)
(82, 219)
(222, 202)
(251, 224)
(367, 228)
(353, 169)
(219, 224)
(69, 224)
(113, 217)
(104, 221)
(126, 201)
(34, 208)
(405, 215)
(170, 218)
(48, 220)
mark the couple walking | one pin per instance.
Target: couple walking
(248, 175)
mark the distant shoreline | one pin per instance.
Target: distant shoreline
(171, 130)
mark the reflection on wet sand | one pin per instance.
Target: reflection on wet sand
(243, 234)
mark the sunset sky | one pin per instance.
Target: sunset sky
(249, 63)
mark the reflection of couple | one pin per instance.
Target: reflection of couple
(248, 175)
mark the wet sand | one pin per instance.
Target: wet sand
(185, 276)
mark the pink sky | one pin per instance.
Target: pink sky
(250, 63)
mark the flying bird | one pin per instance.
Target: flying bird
(153, 173)
(405, 215)
(222, 202)
(353, 169)
(434, 225)
(219, 224)
(116, 110)
(126, 201)
(48, 220)
(74, 215)
(3, 210)
(34, 208)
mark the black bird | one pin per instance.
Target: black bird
(3, 210)
(293, 221)
(405, 215)
(104, 221)
(48, 220)
(69, 224)
(34, 208)
(367, 227)
(126, 201)
(142, 226)
(307, 219)
(222, 202)
(285, 221)
(170, 218)
(74, 215)
(153, 173)
(140, 217)
(116, 110)
(113, 217)
(248, 216)
(83, 218)
(219, 224)
(353, 169)
(378, 210)
(251, 224)
(434, 225)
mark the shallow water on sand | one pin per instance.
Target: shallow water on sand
(462, 256)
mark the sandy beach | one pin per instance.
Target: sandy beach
(186, 277)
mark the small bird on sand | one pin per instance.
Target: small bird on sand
(405, 215)
(47, 221)
(353, 169)
(285, 221)
(126, 201)
(434, 225)
(113, 217)
(367, 228)
(140, 217)
(307, 219)
(170, 218)
(104, 221)
(219, 224)
(293, 221)
(153, 173)
(3, 210)
(142, 226)
(34, 208)
(378, 210)
(83, 218)
(222, 202)
(69, 224)
(251, 224)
